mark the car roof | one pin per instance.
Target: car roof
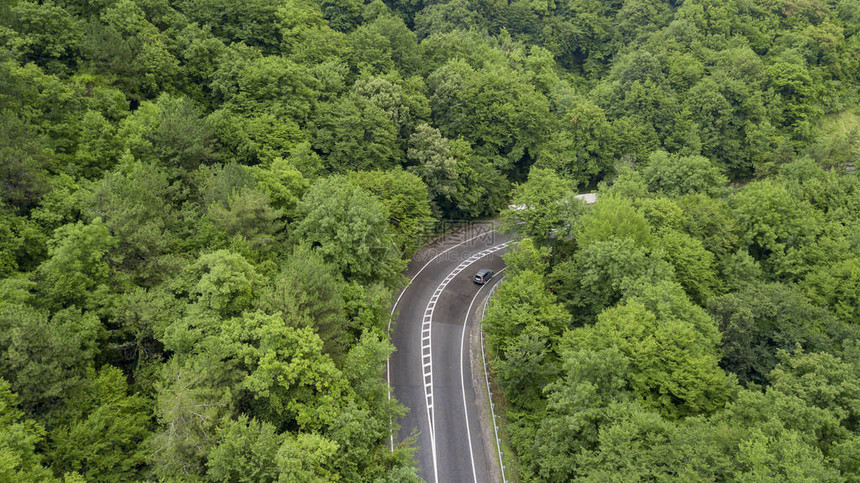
(484, 271)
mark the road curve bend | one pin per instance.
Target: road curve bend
(430, 372)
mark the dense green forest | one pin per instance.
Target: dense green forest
(681, 330)
(205, 206)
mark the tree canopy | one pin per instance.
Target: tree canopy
(206, 205)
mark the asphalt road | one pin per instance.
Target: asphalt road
(430, 371)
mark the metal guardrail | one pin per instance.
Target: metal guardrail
(487, 379)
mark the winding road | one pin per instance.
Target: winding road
(430, 372)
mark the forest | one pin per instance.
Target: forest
(206, 205)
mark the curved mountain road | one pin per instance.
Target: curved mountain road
(430, 372)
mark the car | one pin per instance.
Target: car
(483, 276)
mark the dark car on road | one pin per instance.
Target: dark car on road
(483, 276)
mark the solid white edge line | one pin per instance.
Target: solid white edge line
(394, 307)
(463, 384)
(431, 411)
(487, 379)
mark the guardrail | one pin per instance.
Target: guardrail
(487, 379)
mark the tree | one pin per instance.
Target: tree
(600, 274)
(614, 217)
(762, 319)
(523, 302)
(246, 452)
(363, 366)
(26, 158)
(308, 290)
(407, 201)
(772, 221)
(22, 243)
(248, 216)
(403, 102)
(582, 149)
(284, 184)
(105, 440)
(254, 85)
(591, 381)
(824, 381)
(252, 23)
(435, 164)
(307, 457)
(134, 202)
(673, 361)
(223, 282)
(98, 147)
(837, 287)
(193, 393)
(526, 255)
(638, 444)
(292, 383)
(710, 220)
(355, 133)
(127, 47)
(19, 437)
(50, 360)
(48, 32)
(679, 175)
(493, 108)
(536, 208)
(528, 366)
(693, 265)
(171, 132)
(349, 228)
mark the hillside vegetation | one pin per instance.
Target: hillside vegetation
(205, 206)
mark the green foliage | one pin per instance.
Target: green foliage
(223, 281)
(105, 442)
(493, 108)
(170, 131)
(289, 377)
(762, 319)
(407, 201)
(645, 386)
(673, 364)
(679, 175)
(78, 270)
(536, 205)
(205, 204)
(356, 133)
(193, 394)
(307, 457)
(524, 302)
(693, 265)
(582, 149)
(521, 326)
(50, 359)
(527, 256)
(349, 228)
(18, 439)
(435, 164)
(310, 292)
(246, 451)
(614, 218)
(134, 204)
(771, 221)
(602, 273)
(837, 287)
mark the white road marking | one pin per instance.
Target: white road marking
(487, 379)
(427, 326)
(463, 383)
(394, 307)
